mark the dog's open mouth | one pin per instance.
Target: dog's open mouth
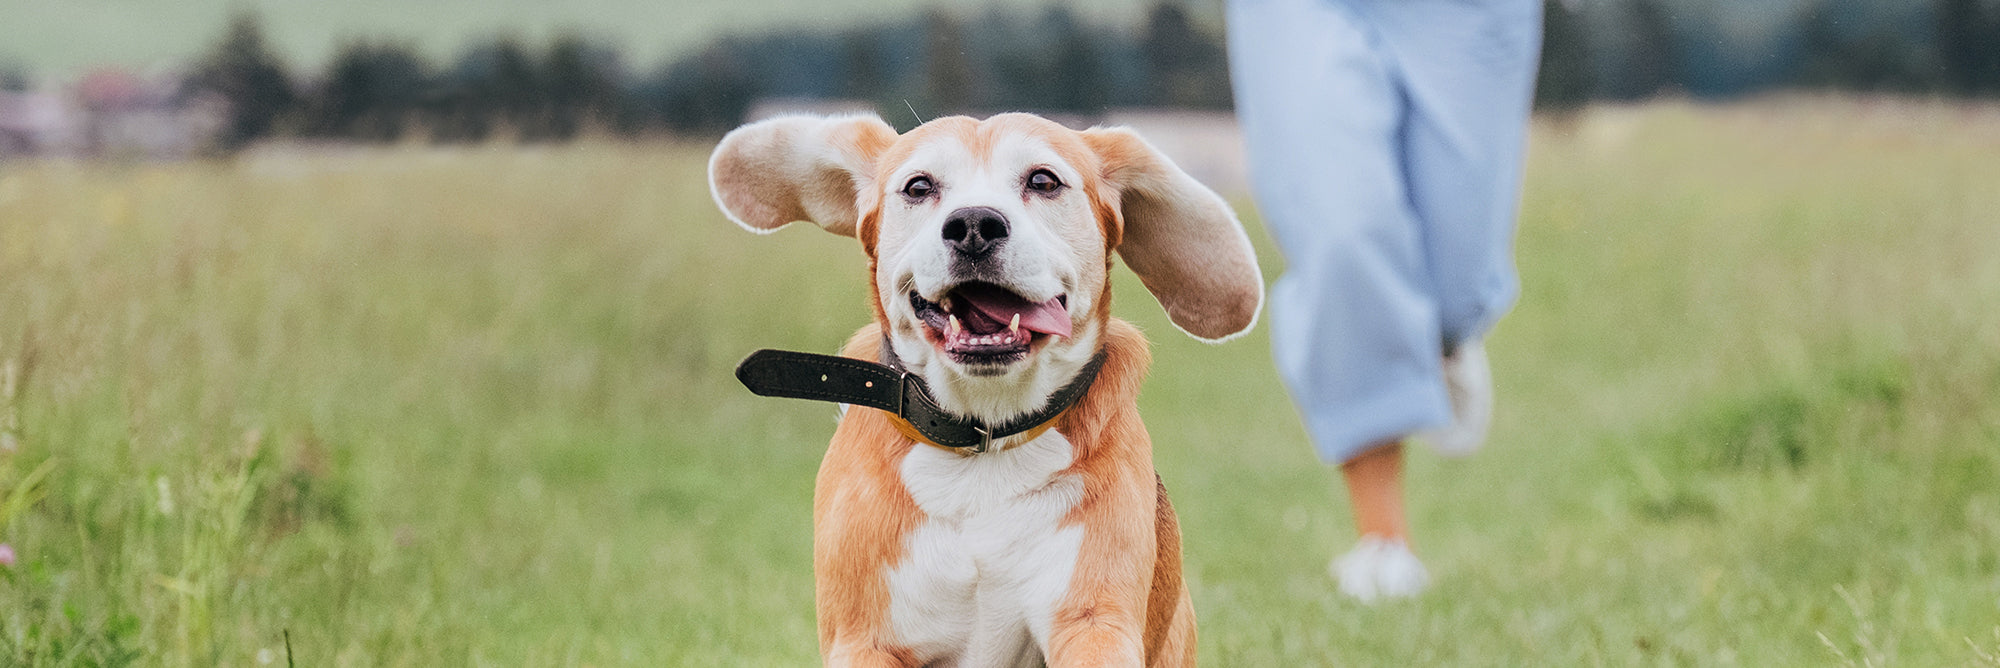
(985, 324)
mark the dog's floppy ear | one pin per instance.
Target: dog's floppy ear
(772, 173)
(1182, 240)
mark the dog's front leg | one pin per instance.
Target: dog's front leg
(1101, 621)
(868, 655)
(1097, 635)
(861, 515)
(851, 555)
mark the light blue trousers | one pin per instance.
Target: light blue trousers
(1385, 141)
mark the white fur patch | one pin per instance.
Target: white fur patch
(1054, 248)
(981, 578)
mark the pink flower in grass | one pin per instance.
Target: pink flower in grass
(6, 555)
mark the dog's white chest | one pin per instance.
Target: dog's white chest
(981, 578)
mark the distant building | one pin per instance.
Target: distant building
(36, 122)
(786, 106)
(1207, 144)
(111, 113)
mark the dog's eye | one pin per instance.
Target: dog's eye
(919, 187)
(1043, 181)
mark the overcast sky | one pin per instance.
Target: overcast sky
(63, 38)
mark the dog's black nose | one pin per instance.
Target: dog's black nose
(974, 231)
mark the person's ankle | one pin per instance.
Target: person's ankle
(1387, 536)
(1375, 490)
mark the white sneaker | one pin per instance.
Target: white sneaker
(1379, 568)
(1469, 381)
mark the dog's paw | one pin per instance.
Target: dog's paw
(1379, 568)
(1469, 381)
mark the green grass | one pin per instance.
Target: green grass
(441, 407)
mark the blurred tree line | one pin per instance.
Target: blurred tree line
(384, 91)
(1051, 62)
(1635, 49)
(935, 64)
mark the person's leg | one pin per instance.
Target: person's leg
(1375, 491)
(1354, 331)
(1469, 69)
(1381, 564)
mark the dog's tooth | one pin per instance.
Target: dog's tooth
(954, 325)
(1015, 326)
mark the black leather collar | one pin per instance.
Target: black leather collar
(784, 373)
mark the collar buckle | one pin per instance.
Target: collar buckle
(902, 389)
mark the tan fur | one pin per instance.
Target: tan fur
(774, 173)
(1181, 239)
(861, 514)
(1169, 609)
(1126, 602)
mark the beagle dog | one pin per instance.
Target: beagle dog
(989, 243)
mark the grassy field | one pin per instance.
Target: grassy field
(424, 407)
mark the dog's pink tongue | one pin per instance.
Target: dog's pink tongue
(1049, 317)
